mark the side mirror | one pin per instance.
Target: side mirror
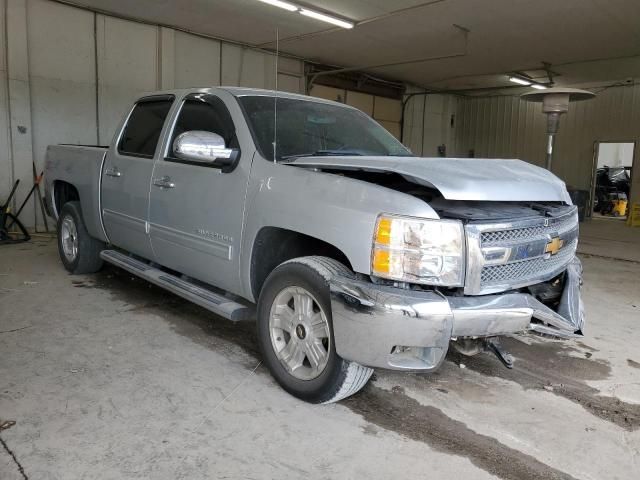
(203, 147)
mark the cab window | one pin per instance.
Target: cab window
(207, 113)
(142, 132)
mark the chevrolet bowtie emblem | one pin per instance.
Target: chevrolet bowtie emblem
(554, 245)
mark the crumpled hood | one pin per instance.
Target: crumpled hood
(460, 178)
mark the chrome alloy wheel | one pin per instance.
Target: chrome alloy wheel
(69, 238)
(299, 332)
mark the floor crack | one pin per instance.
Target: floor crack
(16, 329)
(15, 460)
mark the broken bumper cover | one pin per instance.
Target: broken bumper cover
(387, 327)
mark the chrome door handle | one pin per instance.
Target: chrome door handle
(163, 182)
(112, 172)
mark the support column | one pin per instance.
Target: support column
(166, 58)
(19, 96)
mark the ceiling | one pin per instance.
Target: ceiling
(442, 44)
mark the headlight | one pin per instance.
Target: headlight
(418, 250)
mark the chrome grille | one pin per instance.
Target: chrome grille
(537, 231)
(516, 271)
(509, 255)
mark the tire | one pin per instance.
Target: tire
(79, 252)
(319, 381)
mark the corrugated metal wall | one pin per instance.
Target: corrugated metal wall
(507, 127)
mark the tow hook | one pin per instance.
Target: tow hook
(494, 346)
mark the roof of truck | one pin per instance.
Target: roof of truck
(242, 91)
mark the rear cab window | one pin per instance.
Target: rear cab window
(141, 133)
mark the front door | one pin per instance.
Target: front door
(127, 175)
(196, 210)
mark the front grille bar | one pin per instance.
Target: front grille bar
(509, 255)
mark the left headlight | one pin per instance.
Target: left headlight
(418, 250)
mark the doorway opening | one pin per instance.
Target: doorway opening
(612, 179)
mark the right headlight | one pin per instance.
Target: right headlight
(417, 250)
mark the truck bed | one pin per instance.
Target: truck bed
(80, 166)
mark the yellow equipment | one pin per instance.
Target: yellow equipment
(619, 207)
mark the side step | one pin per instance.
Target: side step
(212, 301)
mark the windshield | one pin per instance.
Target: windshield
(308, 128)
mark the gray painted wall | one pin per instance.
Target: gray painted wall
(68, 75)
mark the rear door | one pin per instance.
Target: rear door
(127, 175)
(196, 210)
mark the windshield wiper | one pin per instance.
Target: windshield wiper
(322, 153)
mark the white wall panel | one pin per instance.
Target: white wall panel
(427, 124)
(62, 75)
(615, 154)
(413, 129)
(388, 112)
(167, 58)
(246, 67)
(6, 164)
(290, 66)
(290, 83)
(387, 109)
(127, 67)
(328, 93)
(19, 101)
(361, 101)
(197, 61)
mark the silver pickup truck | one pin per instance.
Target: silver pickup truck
(309, 218)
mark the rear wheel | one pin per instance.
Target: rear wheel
(79, 251)
(295, 332)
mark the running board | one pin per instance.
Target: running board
(212, 301)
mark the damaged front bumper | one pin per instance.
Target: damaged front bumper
(386, 327)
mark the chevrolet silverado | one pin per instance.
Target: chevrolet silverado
(309, 218)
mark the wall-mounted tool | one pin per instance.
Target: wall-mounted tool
(5, 236)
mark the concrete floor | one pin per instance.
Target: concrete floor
(610, 237)
(108, 377)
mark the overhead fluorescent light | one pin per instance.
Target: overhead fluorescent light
(326, 18)
(278, 3)
(538, 86)
(291, 7)
(520, 81)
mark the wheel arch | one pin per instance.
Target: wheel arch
(275, 245)
(63, 192)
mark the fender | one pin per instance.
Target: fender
(337, 210)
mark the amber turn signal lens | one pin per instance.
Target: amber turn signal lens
(383, 231)
(381, 261)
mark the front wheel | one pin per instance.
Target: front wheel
(295, 332)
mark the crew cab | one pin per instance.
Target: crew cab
(309, 218)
